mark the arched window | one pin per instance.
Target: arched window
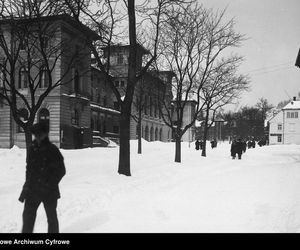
(44, 116)
(23, 78)
(147, 133)
(75, 117)
(151, 134)
(44, 77)
(156, 134)
(23, 115)
(160, 134)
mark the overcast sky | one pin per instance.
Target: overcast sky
(273, 29)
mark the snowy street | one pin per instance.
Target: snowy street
(260, 193)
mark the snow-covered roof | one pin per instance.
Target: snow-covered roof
(105, 109)
(76, 96)
(292, 105)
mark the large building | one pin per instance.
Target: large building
(147, 92)
(67, 108)
(83, 106)
(284, 127)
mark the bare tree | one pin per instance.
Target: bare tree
(264, 106)
(223, 87)
(193, 41)
(107, 17)
(30, 51)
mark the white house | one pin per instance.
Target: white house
(285, 126)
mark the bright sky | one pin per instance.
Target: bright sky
(273, 29)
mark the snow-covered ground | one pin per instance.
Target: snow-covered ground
(260, 193)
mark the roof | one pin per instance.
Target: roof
(139, 46)
(298, 60)
(64, 17)
(292, 105)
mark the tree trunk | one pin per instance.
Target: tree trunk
(205, 135)
(124, 154)
(140, 132)
(178, 149)
(28, 141)
(124, 150)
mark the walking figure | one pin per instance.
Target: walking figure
(237, 148)
(44, 170)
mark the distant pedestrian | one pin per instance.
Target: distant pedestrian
(201, 144)
(233, 149)
(44, 170)
(237, 149)
(197, 144)
(244, 146)
(213, 143)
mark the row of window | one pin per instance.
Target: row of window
(119, 84)
(43, 80)
(24, 77)
(152, 134)
(291, 127)
(152, 107)
(293, 114)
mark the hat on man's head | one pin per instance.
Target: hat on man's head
(40, 128)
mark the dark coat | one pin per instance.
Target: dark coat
(237, 147)
(44, 170)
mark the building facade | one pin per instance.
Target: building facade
(145, 101)
(67, 108)
(284, 127)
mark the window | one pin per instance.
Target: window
(120, 59)
(104, 101)
(76, 81)
(23, 78)
(44, 116)
(279, 127)
(44, 41)
(116, 106)
(22, 44)
(145, 106)
(116, 83)
(23, 115)
(75, 117)
(155, 109)
(2, 77)
(150, 105)
(293, 115)
(92, 124)
(116, 129)
(279, 138)
(44, 77)
(122, 84)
